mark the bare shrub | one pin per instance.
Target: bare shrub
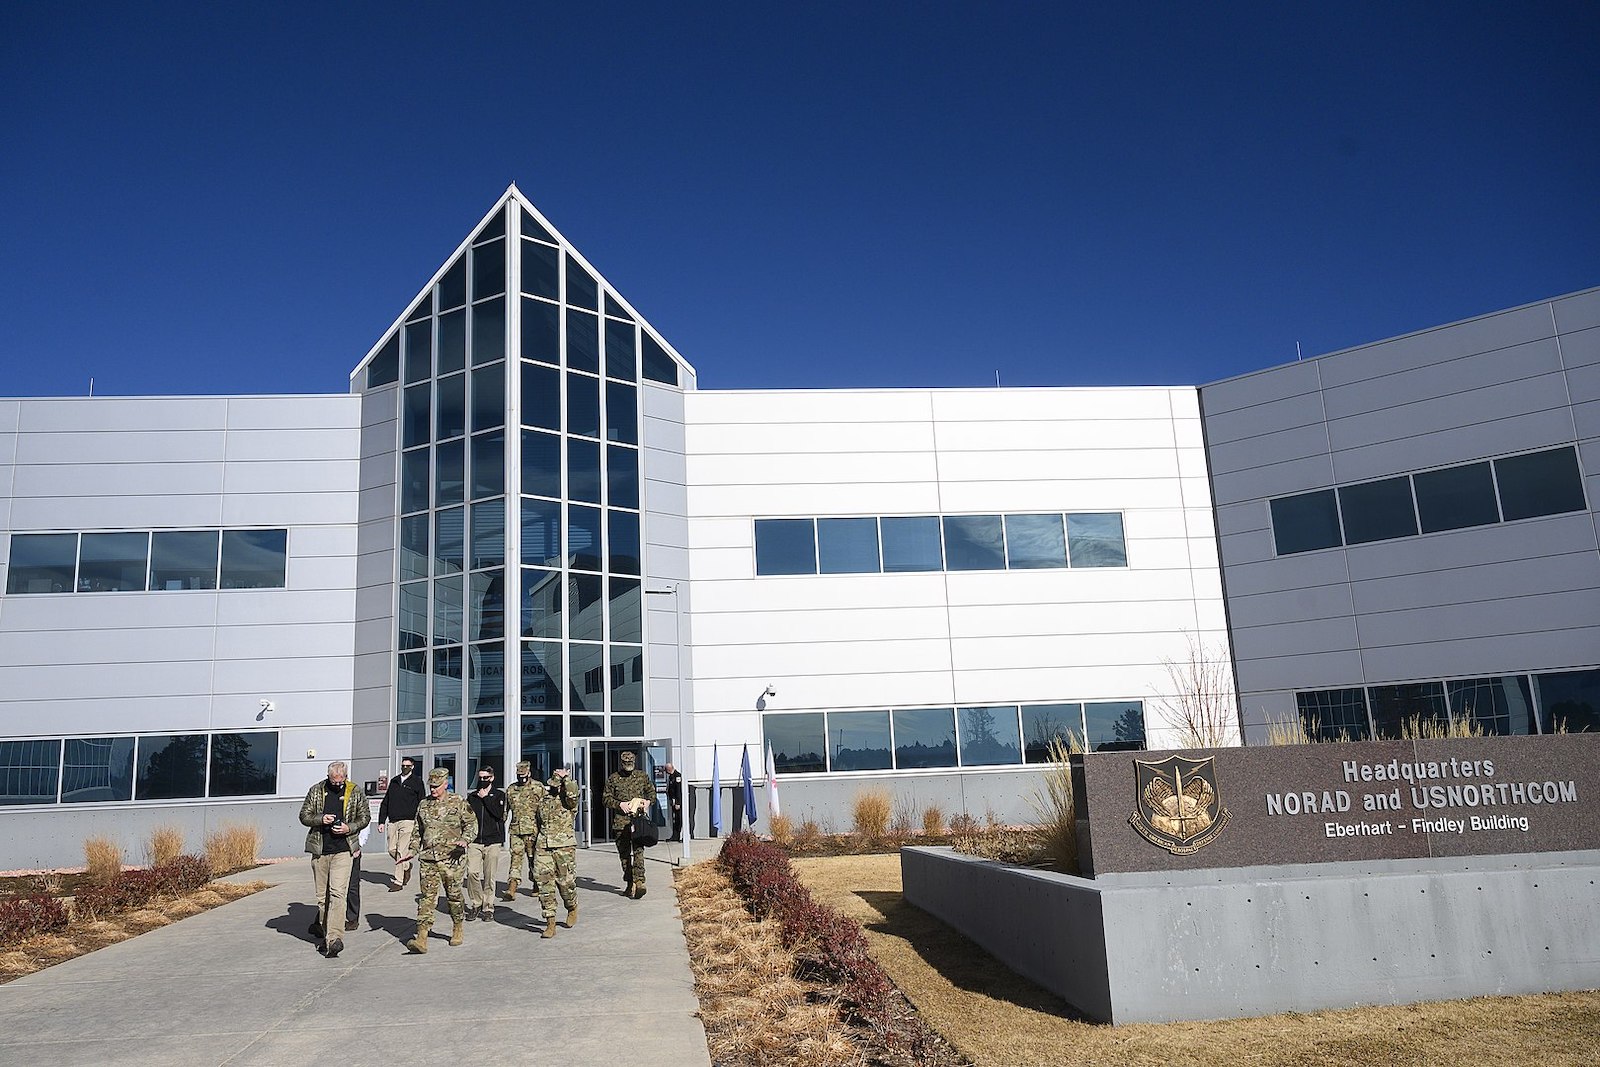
(903, 824)
(963, 824)
(1057, 833)
(806, 836)
(164, 845)
(869, 813)
(781, 827)
(47, 884)
(232, 847)
(1201, 704)
(103, 858)
(932, 820)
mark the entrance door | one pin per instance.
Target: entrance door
(599, 758)
(429, 758)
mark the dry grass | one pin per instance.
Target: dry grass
(754, 1010)
(807, 834)
(781, 827)
(995, 1017)
(869, 813)
(164, 845)
(103, 857)
(1057, 835)
(232, 847)
(37, 953)
(1416, 728)
(933, 820)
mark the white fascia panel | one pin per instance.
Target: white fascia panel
(1148, 523)
(815, 473)
(721, 533)
(1051, 684)
(1108, 585)
(1074, 620)
(121, 446)
(865, 498)
(291, 476)
(280, 444)
(1052, 436)
(330, 671)
(808, 406)
(87, 414)
(102, 645)
(322, 573)
(1087, 494)
(806, 592)
(758, 628)
(113, 482)
(1074, 650)
(823, 658)
(312, 542)
(714, 564)
(107, 681)
(1053, 466)
(83, 612)
(310, 412)
(1025, 405)
(94, 715)
(290, 710)
(290, 509)
(809, 439)
(812, 691)
(1162, 553)
(663, 440)
(246, 607)
(117, 513)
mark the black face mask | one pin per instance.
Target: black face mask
(485, 783)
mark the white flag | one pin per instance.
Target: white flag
(772, 785)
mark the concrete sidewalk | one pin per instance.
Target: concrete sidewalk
(243, 984)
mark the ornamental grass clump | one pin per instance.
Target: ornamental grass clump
(103, 858)
(781, 829)
(232, 847)
(164, 845)
(870, 810)
(933, 820)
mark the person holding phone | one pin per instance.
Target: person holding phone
(333, 812)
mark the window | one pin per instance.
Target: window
(1114, 726)
(859, 741)
(97, 769)
(1043, 724)
(1334, 714)
(447, 694)
(974, 543)
(541, 533)
(1496, 705)
(414, 480)
(254, 559)
(171, 767)
(416, 415)
(586, 688)
(489, 533)
(658, 365)
(29, 771)
(453, 286)
(1456, 497)
(486, 606)
(786, 546)
(583, 343)
(624, 540)
(489, 397)
(185, 559)
(411, 699)
(912, 543)
(622, 350)
(1570, 701)
(449, 540)
(586, 601)
(627, 726)
(42, 563)
(581, 288)
(488, 331)
(622, 416)
(541, 333)
(244, 765)
(413, 622)
(847, 546)
(1035, 541)
(385, 366)
(489, 464)
(989, 736)
(627, 688)
(1411, 708)
(1096, 540)
(541, 271)
(541, 463)
(450, 418)
(583, 405)
(583, 470)
(583, 538)
(541, 676)
(626, 607)
(488, 270)
(924, 737)
(797, 742)
(1540, 483)
(1377, 511)
(452, 341)
(622, 477)
(450, 474)
(486, 679)
(1306, 522)
(419, 351)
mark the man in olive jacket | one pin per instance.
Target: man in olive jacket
(335, 812)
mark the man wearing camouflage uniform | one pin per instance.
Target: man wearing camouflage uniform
(523, 797)
(628, 792)
(555, 850)
(445, 824)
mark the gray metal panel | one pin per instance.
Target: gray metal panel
(1502, 654)
(1502, 329)
(289, 509)
(1462, 375)
(1275, 479)
(1310, 670)
(1291, 413)
(1480, 546)
(1288, 572)
(81, 414)
(1586, 418)
(1314, 602)
(1289, 637)
(323, 410)
(122, 446)
(127, 513)
(1499, 618)
(380, 405)
(301, 474)
(1253, 390)
(376, 503)
(1449, 410)
(374, 602)
(1476, 586)
(109, 481)
(372, 671)
(1249, 516)
(1579, 311)
(267, 606)
(1246, 454)
(1583, 383)
(667, 497)
(1442, 448)
(1581, 349)
(378, 472)
(276, 445)
(378, 536)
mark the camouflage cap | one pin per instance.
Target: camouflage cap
(437, 775)
(629, 757)
(524, 767)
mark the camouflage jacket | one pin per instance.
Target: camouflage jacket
(624, 787)
(524, 803)
(357, 814)
(441, 826)
(555, 815)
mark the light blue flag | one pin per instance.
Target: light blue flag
(749, 789)
(716, 794)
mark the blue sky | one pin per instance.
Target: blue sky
(198, 199)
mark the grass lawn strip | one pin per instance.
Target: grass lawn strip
(995, 1017)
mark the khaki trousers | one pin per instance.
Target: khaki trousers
(399, 834)
(332, 875)
(482, 863)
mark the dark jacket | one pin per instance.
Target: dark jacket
(357, 814)
(400, 802)
(491, 813)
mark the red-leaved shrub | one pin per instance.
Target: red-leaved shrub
(23, 917)
(132, 890)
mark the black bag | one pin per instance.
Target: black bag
(643, 831)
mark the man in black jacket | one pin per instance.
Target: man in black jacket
(483, 854)
(397, 814)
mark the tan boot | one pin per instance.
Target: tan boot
(456, 934)
(419, 943)
(549, 927)
(511, 891)
(572, 916)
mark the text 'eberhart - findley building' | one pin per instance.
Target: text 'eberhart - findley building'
(526, 534)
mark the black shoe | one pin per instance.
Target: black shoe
(472, 916)
(353, 924)
(334, 948)
(322, 948)
(315, 929)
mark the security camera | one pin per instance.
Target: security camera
(771, 692)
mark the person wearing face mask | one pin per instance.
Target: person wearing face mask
(488, 803)
(333, 811)
(445, 826)
(396, 814)
(522, 797)
(555, 850)
(628, 792)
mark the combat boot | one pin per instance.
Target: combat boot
(456, 934)
(511, 891)
(572, 916)
(419, 944)
(549, 927)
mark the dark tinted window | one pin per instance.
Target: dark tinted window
(489, 270)
(414, 542)
(586, 596)
(449, 540)
(797, 742)
(113, 562)
(622, 351)
(543, 603)
(541, 331)
(488, 332)
(581, 289)
(416, 415)
(583, 341)
(1377, 511)
(626, 608)
(42, 563)
(1334, 714)
(449, 609)
(411, 699)
(1305, 522)
(453, 286)
(658, 365)
(532, 228)
(786, 546)
(614, 307)
(489, 397)
(541, 463)
(583, 470)
(1496, 705)
(29, 771)
(489, 464)
(413, 621)
(494, 227)
(1456, 497)
(541, 533)
(586, 684)
(1114, 726)
(414, 480)
(254, 559)
(1044, 723)
(450, 472)
(1414, 708)
(541, 678)
(183, 559)
(422, 310)
(583, 405)
(925, 737)
(847, 546)
(989, 736)
(452, 341)
(974, 543)
(858, 740)
(1541, 483)
(489, 533)
(450, 417)
(1096, 540)
(622, 415)
(385, 366)
(541, 397)
(583, 537)
(1570, 701)
(541, 271)
(1034, 541)
(97, 769)
(622, 477)
(624, 541)
(911, 543)
(419, 351)
(171, 766)
(244, 765)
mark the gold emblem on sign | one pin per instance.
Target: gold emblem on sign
(1178, 807)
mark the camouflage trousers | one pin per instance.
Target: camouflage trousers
(522, 851)
(632, 857)
(450, 872)
(553, 872)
